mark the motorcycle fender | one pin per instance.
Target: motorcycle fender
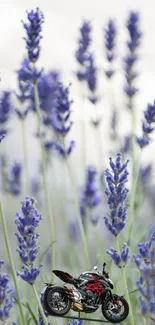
(104, 293)
(117, 295)
(49, 284)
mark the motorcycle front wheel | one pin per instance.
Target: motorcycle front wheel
(115, 311)
(56, 301)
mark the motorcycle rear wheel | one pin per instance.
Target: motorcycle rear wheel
(56, 302)
(110, 310)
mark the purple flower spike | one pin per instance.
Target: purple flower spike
(119, 260)
(91, 78)
(75, 322)
(90, 196)
(148, 125)
(64, 152)
(116, 193)
(31, 274)
(84, 42)
(145, 262)
(133, 29)
(33, 30)
(28, 72)
(6, 295)
(15, 179)
(82, 52)
(2, 137)
(5, 107)
(27, 238)
(48, 91)
(109, 43)
(131, 58)
(61, 120)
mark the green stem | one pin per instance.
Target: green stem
(39, 304)
(84, 137)
(100, 148)
(11, 263)
(133, 142)
(27, 178)
(84, 239)
(48, 205)
(131, 216)
(132, 322)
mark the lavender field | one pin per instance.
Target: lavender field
(77, 143)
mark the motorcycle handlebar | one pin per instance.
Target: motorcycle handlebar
(104, 265)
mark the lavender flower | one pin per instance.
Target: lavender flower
(23, 94)
(27, 238)
(41, 322)
(134, 32)
(62, 124)
(48, 91)
(2, 137)
(126, 144)
(91, 78)
(84, 42)
(61, 120)
(6, 301)
(35, 185)
(15, 179)
(90, 197)
(23, 86)
(145, 174)
(114, 122)
(29, 72)
(132, 56)
(33, 30)
(82, 52)
(116, 193)
(61, 150)
(145, 262)
(109, 43)
(75, 322)
(74, 231)
(5, 111)
(4, 173)
(148, 125)
(119, 259)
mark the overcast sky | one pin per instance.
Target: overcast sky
(63, 18)
(60, 33)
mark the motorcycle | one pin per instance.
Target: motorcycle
(86, 294)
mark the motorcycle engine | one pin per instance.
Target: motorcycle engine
(77, 295)
(91, 297)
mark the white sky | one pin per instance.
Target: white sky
(63, 18)
(60, 32)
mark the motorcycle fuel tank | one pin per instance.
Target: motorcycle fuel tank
(89, 276)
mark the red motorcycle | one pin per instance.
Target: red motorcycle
(86, 294)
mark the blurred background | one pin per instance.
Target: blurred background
(60, 35)
(93, 146)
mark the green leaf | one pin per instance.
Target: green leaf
(26, 305)
(45, 251)
(29, 320)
